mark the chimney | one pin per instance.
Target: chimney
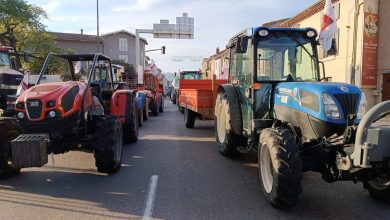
(81, 31)
(217, 50)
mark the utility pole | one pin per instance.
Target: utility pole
(354, 46)
(97, 25)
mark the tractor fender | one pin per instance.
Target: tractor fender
(234, 106)
(122, 104)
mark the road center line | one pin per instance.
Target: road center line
(148, 209)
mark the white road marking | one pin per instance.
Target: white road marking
(148, 209)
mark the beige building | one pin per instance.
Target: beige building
(372, 63)
(217, 64)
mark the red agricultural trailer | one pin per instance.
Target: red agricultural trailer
(197, 98)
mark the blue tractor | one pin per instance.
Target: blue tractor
(275, 103)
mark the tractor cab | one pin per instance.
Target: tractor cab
(277, 74)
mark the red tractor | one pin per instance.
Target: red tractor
(74, 112)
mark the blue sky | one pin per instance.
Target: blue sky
(216, 21)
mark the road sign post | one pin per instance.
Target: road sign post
(183, 29)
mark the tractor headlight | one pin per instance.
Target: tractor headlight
(21, 115)
(330, 107)
(362, 107)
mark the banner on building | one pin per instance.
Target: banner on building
(370, 44)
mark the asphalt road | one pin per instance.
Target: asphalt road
(171, 173)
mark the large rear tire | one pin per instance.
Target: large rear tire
(131, 126)
(189, 118)
(161, 106)
(379, 189)
(145, 109)
(280, 167)
(108, 144)
(140, 118)
(227, 141)
(155, 109)
(9, 130)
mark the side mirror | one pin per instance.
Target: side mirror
(26, 56)
(242, 44)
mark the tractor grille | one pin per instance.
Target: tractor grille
(348, 103)
(34, 108)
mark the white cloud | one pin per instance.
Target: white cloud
(139, 5)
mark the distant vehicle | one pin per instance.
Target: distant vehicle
(10, 79)
(192, 75)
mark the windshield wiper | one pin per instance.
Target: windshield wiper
(299, 43)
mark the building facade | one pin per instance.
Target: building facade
(366, 46)
(118, 45)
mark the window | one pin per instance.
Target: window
(286, 58)
(125, 58)
(122, 44)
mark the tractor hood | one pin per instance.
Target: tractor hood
(311, 98)
(48, 90)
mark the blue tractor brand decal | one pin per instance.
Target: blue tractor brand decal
(307, 97)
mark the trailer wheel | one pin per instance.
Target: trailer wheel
(8, 131)
(131, 127)
(379, 189)
(108, 145)
(189, 118)
(280, 167)
(226, 139)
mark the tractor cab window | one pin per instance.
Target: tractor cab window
(286, 58)
(190, 75)
(58, 70)
(4, 60)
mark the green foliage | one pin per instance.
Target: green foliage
(21, 27)
(129, 68)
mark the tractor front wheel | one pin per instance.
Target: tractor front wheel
(131, 127)
(226, 139)
(108, 145)
(280, 167)
(379, 188)
(8, 131)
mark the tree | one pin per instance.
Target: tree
(18, 20)
(129, 68)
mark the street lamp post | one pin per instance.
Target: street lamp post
(97, 25)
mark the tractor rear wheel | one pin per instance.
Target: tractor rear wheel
(131, 127)
(145, 110)
(161, 107)
(155, 109)
(280, 167)
(108, 145)
(226, 139)
(8, 131)
(189, 118)
(379, 188)
(140, 118)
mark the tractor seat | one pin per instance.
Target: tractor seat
(97, 91)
